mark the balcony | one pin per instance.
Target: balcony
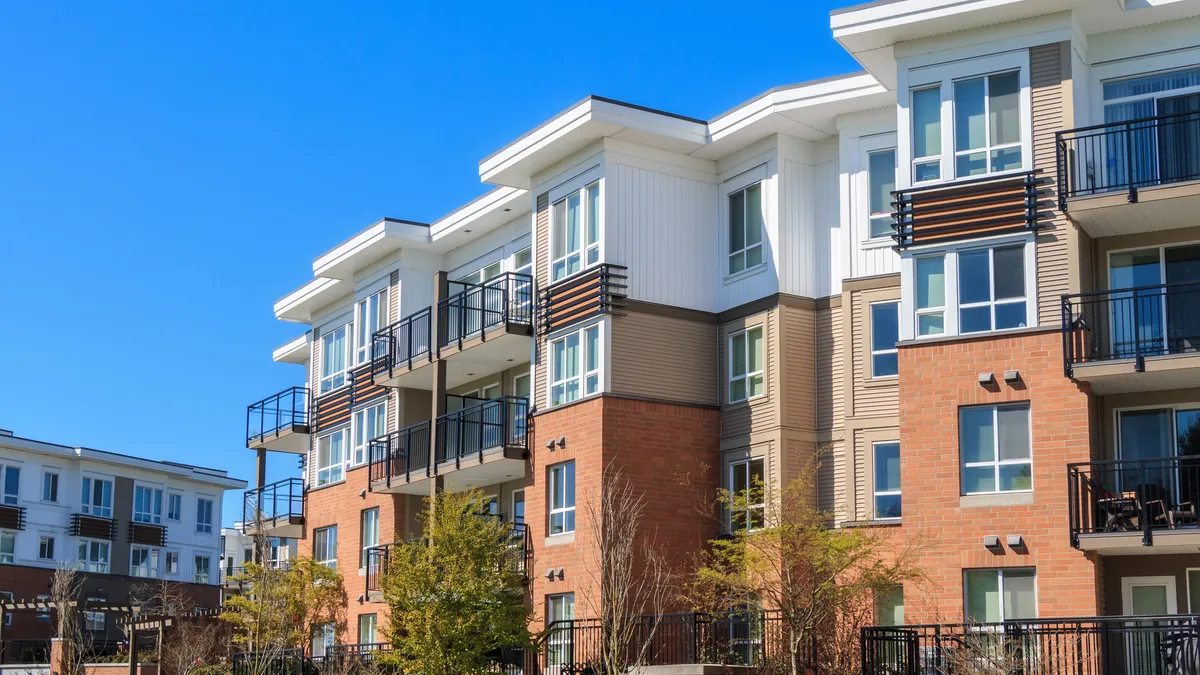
(334, 408)
(276, 509)
(12, 517)
(92, 527)
(600, 290)
(148, 534)
(966, 209)
(279, 422)
(377, 564)
(1121, 507)
(1095, 646)
(401, 349)
(1134, 339)
(481, 444)
(485, 327)
(1130, 177)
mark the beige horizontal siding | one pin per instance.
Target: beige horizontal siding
(830, 383)
(739, 420)
(665, 358)
(869, 400)
(797, 367)
(1046, 74)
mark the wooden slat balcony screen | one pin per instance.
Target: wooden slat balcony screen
(145, 533)
(334, 408)
(966, 209)
(12, 517)
(600, 290)
(93, 527)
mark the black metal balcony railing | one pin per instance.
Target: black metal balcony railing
(400, 454)
(1167, 645)
(281, 499)
(1138, 496)
(348, 657)
(1131, 323)
(404, 343)
(377, 564)
(273, 414)
(506, 299)
(469, 432)
(1128, 155)
(278, 662)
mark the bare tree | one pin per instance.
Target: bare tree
(66, 587)
(631, 571)
(192, 642)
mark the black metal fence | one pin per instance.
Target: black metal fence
(403, 343)
(1131, 323)
(277, 413)
(506, 299)
(1165, 645)
(276, 662)
(1133, 496)
(496, 423)
(1125, 156)
(281, 499)
(400, 454)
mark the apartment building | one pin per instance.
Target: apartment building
(958, 279)
(123, 521)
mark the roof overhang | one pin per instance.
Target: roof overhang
(380, 239)
(294, 351)
(482, 215)
(585, 122)
(298, 306)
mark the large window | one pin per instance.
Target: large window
(889, 607)
(204, 515)
(93, 620)
(93, 556)
(97, 497)
(575, 232)
(971, 289)
(203, 570)
(746, 364)
(331, 454)
(370, 316)
(325, 546)
(12, 484)
(885, 333)
(745, 229)
(993, 596)
(887, 480)
(369, 532)
(881, 181)
(748, 493)
(143, 561)
(559, 608)
(575, 365)
(8, 547)
(562, 498)
(46, 547)
(995, 447)
(334, 359)
(367, 629)
(147, 505)
(987, 124)
(369, 424)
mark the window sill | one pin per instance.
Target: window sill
(1007, 332)
(871, 244)
(880, 382)
(326, 485)
(757, 269)
(748, 403)
(1024, 498)
(883, 522)
(560, 539)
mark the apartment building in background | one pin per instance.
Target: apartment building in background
(961, 280)
(123, 521)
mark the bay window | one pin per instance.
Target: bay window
(575, 232)
(994, 444)
(745, 229)
(369, 424)
(97, 497)
(575, 363)
(334, 359)
(331, 454)
(970, 287)
(746, 364)
(370, 316)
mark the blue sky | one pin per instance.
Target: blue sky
(168, 170)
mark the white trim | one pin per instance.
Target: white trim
(1128, 584)
(584, 220)
(351, 460)
(876, 492)
(871, 339)
(761, 508)
(344, 373)
(862, 208)
(561, 510)
(996, 463)
(760, 373)
(582, 374)
(339, 466)
(1001, 571)
(512, 498)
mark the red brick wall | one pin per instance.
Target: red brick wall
(935, 380)
(342, 505)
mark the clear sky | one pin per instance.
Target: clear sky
(168, 170)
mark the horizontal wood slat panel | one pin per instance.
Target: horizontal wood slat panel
(145, 533)
(967, 209)
(12, 517)
(600, 290)
(93, 527)
(334, 408)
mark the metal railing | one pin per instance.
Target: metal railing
(281, 499)
(498, 423)
(403, 343)
(400, 454)
(273, 414)
(737, 639)
(377, 565)
(506, 299)
(1134, 496)
(278, 662)
(1128, 155)
(1163, 645)
(1131, 323)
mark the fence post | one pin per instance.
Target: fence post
(1133, 195)
(1139, 361)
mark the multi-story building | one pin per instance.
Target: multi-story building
(960, 280)
(123, 521)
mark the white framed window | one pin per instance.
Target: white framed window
(926, 105)
(369, 424)
(11, 494)
(575, 228)
(93, 556)
(143, 561)
(323, 639)
(885, 333)
(881, 181)
(991, 289)
(97, 497)
(931, 294)
(331, 457)
(46, 547)
(204, 515)
(8, 547)
(748, 486)
(147, 504)
(994, 445)
(174, 506)
(995, 595)
(745, 229)
(370, 316)
(889, 607)
(886, 459)
(746, 364)
(325, 546)
(367, 629)
(575, 365)
(202, 570)
(562, 498)
(50, 486)
(171, 563)
(335, 359)
(522, 261)
(559, 608)
(987, 124)
(368, 532)
(93, 620)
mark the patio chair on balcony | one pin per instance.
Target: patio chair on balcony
(1178, 514)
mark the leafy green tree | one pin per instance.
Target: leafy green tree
(283, 607)
(457, 596)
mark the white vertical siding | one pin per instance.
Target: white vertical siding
(861, 133)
